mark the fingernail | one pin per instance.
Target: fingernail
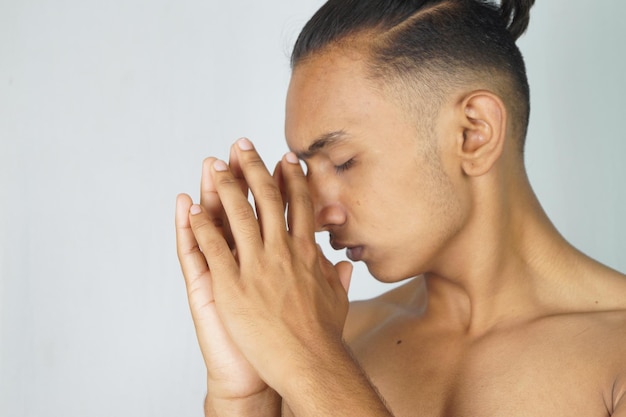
(195, 209)
(244, 144)
(220, 165)
(292, 158)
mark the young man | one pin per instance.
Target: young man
(411, 117)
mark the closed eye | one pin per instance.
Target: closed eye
(345, 166)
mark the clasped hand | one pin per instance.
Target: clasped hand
(265, 302)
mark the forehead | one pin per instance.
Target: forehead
(331, 92)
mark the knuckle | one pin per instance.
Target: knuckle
(214, 248)
(249, 233)
(245, 223)
(284, 253)
(253, 159)
(242, 213)
(271, 193)
(304, 200)
(226, 181)
(218, 249)
(201, 224)
(298, 172)
(305, 249)
(210, 242)
(184, 252)
(309, 251)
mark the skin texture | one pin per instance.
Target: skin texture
(504, 317)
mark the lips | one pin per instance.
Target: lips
(353, 252)
(337, 245)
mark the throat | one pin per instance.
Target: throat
(476, 303)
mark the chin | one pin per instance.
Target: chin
(386, 274)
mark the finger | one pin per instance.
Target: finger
(210, 200)
(344, 270)
(339, 275)
(241, 217)
(235, 168)
(211, 242)
(300, 216)
(267, 196)
(209, 329)
(279, 180)
(192, 261)
(208, 193)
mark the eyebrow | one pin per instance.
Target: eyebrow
(324, 140)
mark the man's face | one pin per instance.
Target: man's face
(378, 182)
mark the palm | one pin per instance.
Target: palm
(226, 366)
(229, 373)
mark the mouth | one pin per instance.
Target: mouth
(353, 252)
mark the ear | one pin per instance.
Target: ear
(483, 132)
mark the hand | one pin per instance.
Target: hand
(280, 300)
(230, 376)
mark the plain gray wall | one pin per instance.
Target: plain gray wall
(106, 111)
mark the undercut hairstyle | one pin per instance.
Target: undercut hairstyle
(430, 46)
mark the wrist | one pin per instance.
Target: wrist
(265, 403)
(331, 382)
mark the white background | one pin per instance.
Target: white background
(106, 111)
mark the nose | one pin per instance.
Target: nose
(328, 210)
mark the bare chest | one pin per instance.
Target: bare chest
(526, 373)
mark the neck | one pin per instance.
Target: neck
(505, 263)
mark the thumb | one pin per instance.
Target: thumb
(344, 271)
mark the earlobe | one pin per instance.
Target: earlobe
(484, 132)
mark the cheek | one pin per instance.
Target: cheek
(442, 197)
(420, 207)
(380, 204)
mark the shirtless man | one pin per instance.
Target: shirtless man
(411, 119)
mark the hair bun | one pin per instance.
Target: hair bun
(516, 14)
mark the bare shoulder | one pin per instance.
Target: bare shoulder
(603, 338)
(607, 312)
(588, 340)
(367, 315)
(596, 320)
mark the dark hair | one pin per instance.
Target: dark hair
(444, 38)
